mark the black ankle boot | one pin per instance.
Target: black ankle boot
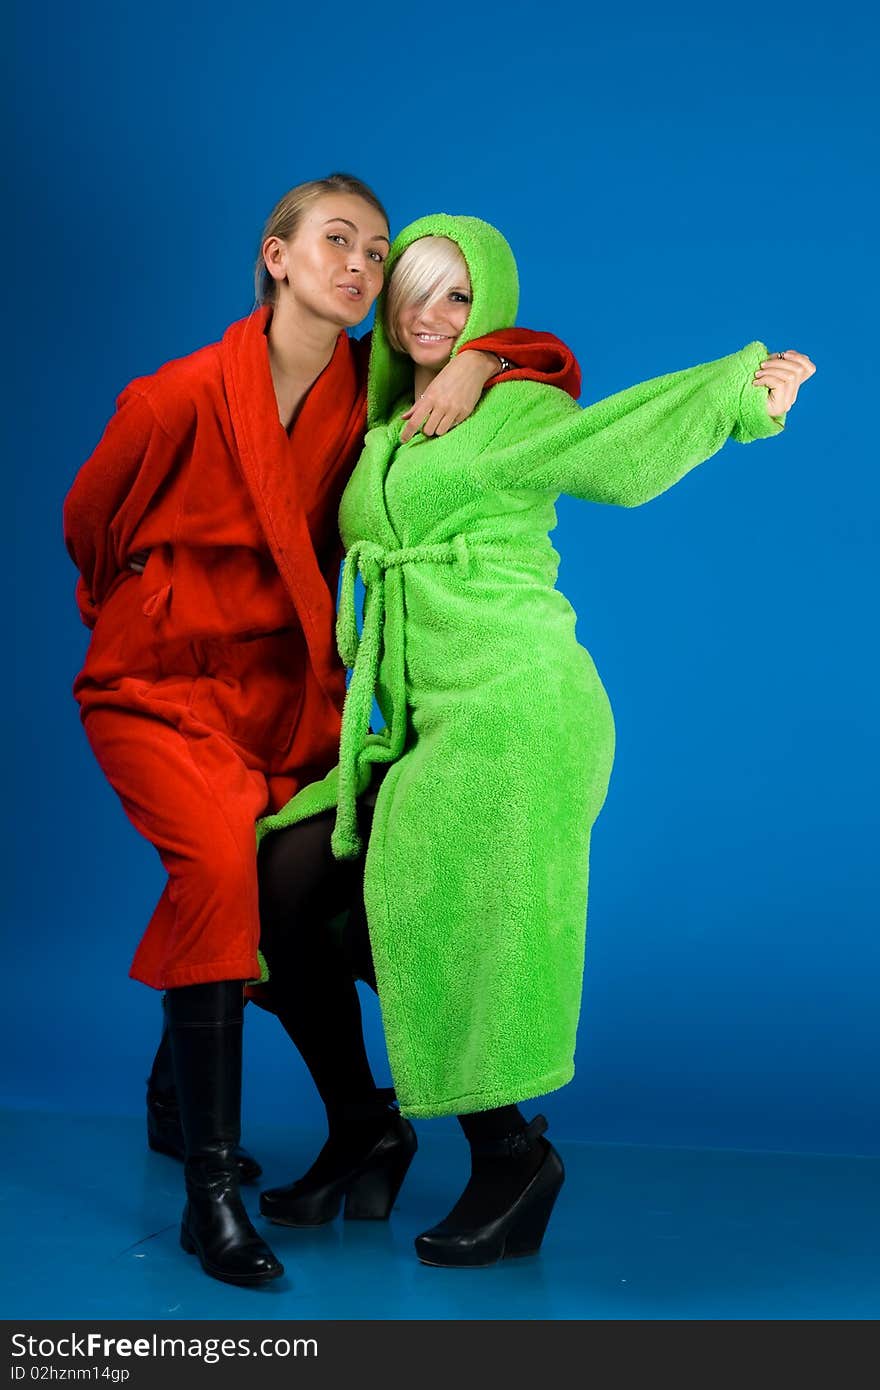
(502, 1230)
(205, 1023)
(164, 1131)
(363, 1164)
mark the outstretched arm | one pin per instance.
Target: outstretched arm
(634, 445)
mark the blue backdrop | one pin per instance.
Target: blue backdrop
(674, 185)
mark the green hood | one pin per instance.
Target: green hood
(495, 290)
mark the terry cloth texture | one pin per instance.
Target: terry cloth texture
(212, 689)
(499, 733)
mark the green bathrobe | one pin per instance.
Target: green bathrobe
(499, 733)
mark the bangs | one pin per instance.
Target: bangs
(426, 271)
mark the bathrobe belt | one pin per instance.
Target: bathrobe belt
(363, 653)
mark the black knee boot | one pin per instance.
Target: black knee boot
(205, 1025)
(164, 1132)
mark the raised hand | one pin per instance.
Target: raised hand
(784, 373)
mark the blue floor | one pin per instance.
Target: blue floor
(91, 1226)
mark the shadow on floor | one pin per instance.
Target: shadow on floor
(92, 1219)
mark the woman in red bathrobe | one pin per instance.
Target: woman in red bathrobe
(211, 690)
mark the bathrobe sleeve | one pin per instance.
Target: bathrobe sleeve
(634, 445)
(535, 356)
(134, 457)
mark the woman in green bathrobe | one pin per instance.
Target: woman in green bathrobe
(499, 737)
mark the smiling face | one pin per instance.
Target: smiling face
(429, 332)
(333, 265)
(429, 301)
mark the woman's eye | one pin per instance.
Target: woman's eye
(458, 298)
(336, 236)
(378, 257)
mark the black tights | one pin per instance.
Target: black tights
(313, 967)
(309, 954)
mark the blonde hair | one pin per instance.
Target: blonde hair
(425, 272)
(287, 214)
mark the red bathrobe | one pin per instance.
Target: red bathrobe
(212, 690)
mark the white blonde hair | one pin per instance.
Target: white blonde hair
(426, 271)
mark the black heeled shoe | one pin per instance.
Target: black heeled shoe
(165, 1134)
(367, 1181)
(519, 1229)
